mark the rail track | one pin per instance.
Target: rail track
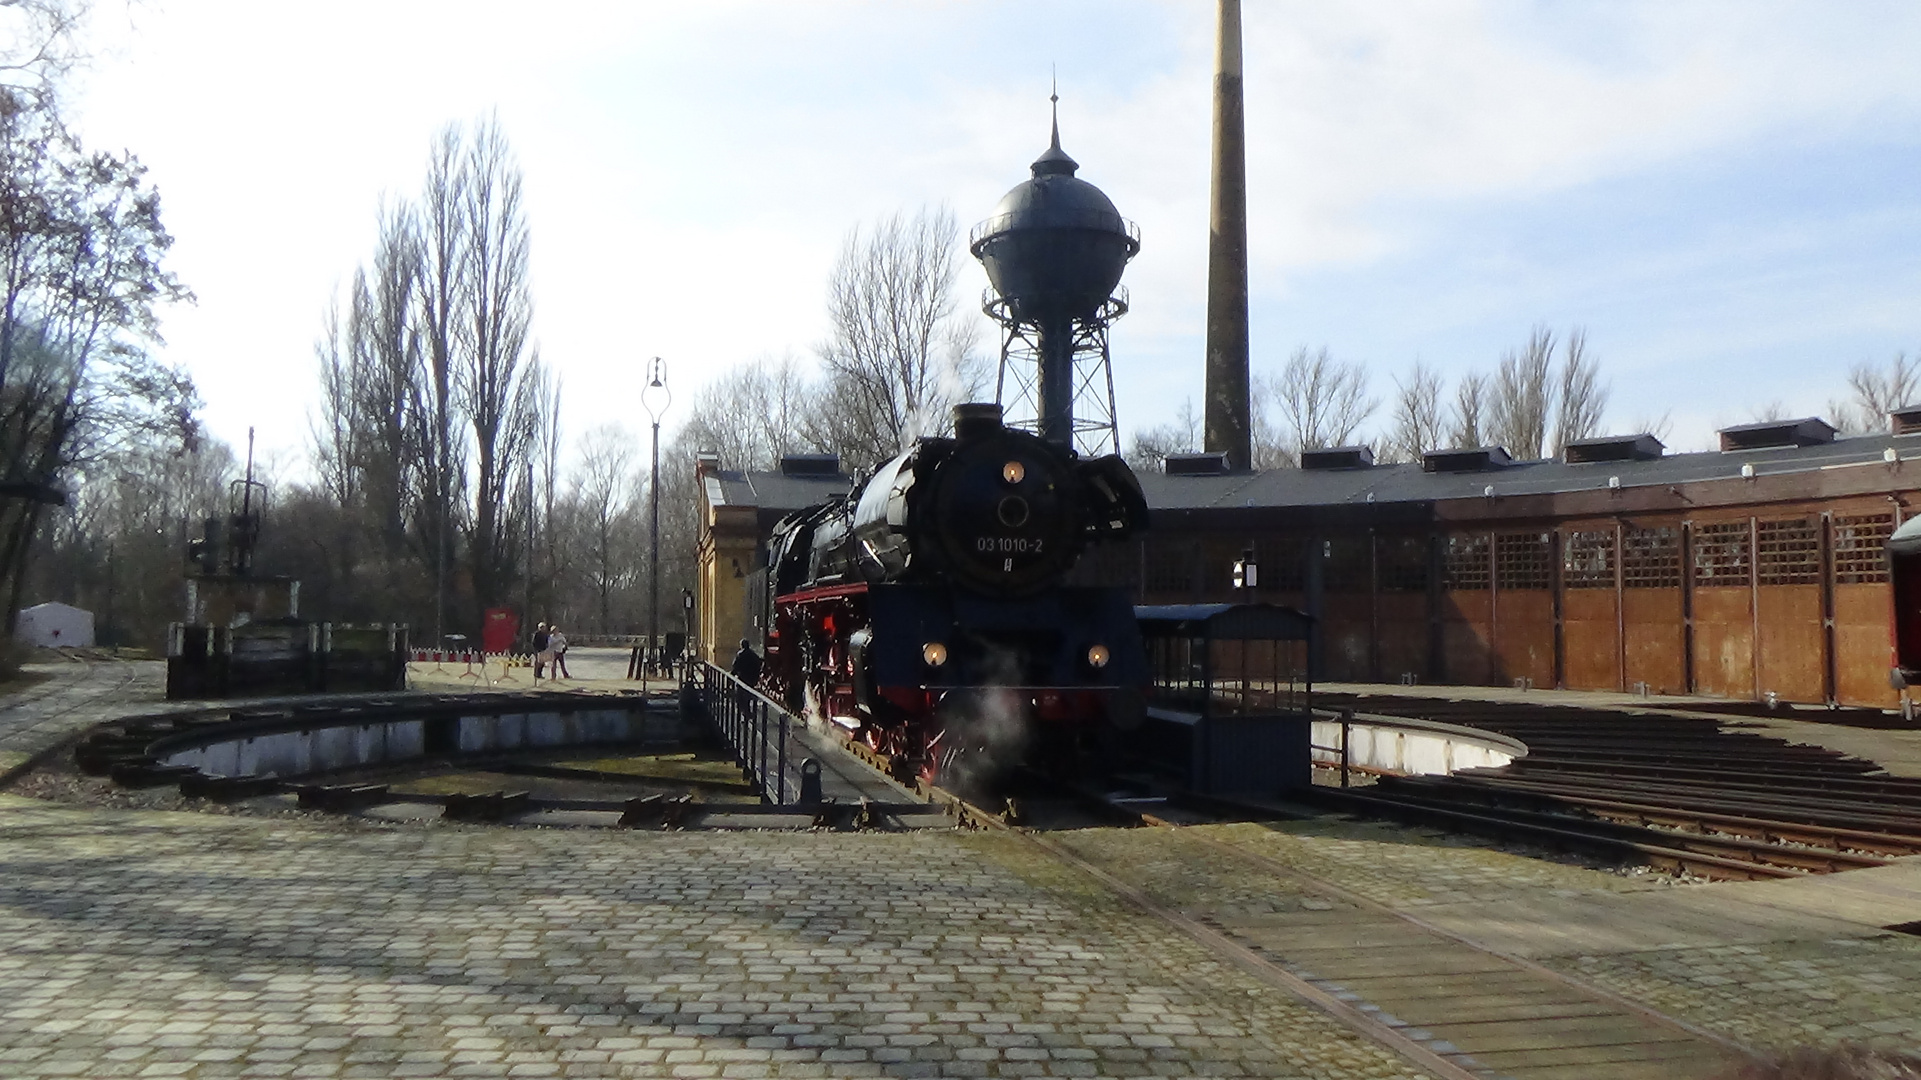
(1680, 793)
(97, 681)
(1455, 1008)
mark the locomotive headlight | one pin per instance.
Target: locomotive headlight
(1098, 656)
(1013, 472)
(934, 654)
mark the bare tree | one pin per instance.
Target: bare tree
(1321, 402)
(1523, 398)
(1419, 423)
(899, 356)
(1182, 436)
(336, 430)
(1876, 394)
(442, 239)
(496, 313)
(1468, 423)
(391, 381)
(609, 527)
(754, 413)
(1583, 397)
(42, 43)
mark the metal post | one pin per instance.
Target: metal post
(655, 398)
(653, 557)
(527, 584)
(782, 798)
(1347, 726)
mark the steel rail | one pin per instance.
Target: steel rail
(1637, 814)
(1904, 833)
(40, 757)
(1663, 855)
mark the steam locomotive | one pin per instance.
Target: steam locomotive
(925, 613)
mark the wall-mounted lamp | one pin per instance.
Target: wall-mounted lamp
(1747, 470)
(1488, 491)
(1891, 456)
(1614, 483)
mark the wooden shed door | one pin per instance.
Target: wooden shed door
(1524, 607)
(1792, 648)
(1653, 627)
(1863, 650)
(1590, 611)
(1467, 611)
(1724, 609)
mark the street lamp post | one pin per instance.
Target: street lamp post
(655, 398)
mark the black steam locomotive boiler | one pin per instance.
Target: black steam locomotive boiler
(925, 612)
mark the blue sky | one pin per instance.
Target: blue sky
(1721, 194)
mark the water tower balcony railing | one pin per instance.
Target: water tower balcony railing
(997, 307)
(1097, 220)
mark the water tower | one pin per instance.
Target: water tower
(1054, 252)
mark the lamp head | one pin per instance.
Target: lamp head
(655, 396)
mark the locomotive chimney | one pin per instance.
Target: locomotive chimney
(1229, 425)
(976, 418)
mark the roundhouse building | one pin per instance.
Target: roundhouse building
(1749, 572)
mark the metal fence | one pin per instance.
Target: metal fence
(753, 725)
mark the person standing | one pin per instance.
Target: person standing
(557, 644)
(747, 669)
(541, 655)
(747, 664)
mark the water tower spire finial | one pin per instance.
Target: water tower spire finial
(1055, 161)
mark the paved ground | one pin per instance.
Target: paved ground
(182, 944)
(147, 943)
(587, 668)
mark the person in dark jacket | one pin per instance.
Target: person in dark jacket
(540, 649)
(747, 664)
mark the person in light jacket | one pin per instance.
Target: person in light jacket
(557, 643)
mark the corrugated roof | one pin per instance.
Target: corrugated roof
(1408, 484)
(1389, 484)
(772, 490)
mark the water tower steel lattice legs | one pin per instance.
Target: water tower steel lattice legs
(1056, 378)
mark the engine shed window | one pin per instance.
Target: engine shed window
(1789, 552)
(1860, 546)
(1721, 554)
(1403, 563)
(1171, 566)
(1524, 560)
(1587, 560)
(1465, 563)
(1651, 558)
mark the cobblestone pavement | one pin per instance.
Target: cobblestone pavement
(1777, 995)
(1772, 995)
(75, 695)
(178, 944)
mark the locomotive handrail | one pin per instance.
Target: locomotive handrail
(754, 726)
